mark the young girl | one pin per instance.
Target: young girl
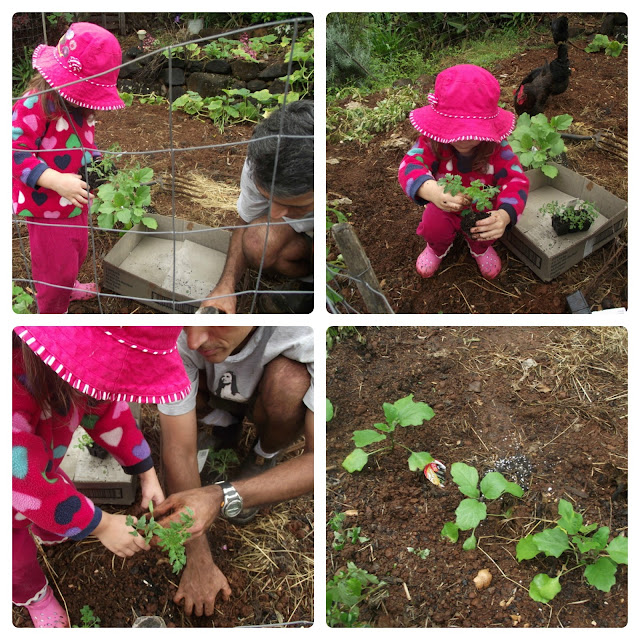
(463, 133)
(53, 141)
(60, 375)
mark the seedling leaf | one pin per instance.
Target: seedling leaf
(356, 460)
(552, 542)
(329, 410)
(470, 513)
(601, 574)
(617, 550)
(526, 549)
(466, 477)
(450, 530)
(494, 484)
(470, 543)
(412, 414)
(570, 521)
(418, 460)
(364, 437)
(543, 588)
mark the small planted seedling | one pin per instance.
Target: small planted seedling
(473, 510)
(84, 441)
(171, 539)
(586, 546)
(402, 413)
(576, 215)
(342, 535)
(88, 618)
(423, 554)
(346, 590)
(221, 460)
(480, 197)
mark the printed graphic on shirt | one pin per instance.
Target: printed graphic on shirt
(227, 388)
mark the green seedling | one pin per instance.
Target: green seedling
(480, 194)
(402, 413)
(586, 546)
(88, 618)
(171, 539)
(221, 461)
(600, 41)
(536, 141)
(578, 214)
(21, 301)
(473, 510)
(346, 591)
(342, 535)
(423, 554)
(84, 441)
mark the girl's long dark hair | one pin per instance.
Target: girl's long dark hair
(53, 104)
(50, 391)
(481, 153)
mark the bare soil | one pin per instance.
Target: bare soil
(268, 563)
(567, 414)
(385, 219)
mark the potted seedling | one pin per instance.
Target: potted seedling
(572, 217)
(479, 196)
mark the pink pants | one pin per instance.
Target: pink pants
(57, 253)
(29, 580)
(439, 229)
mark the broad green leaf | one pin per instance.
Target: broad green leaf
(526, 549)
(549, 171)
(494, 484)
(118, 200)
(552, 542)
(124, 216)
(543, 588)
(151, 223)
(329, 410)
(383, 426)
(390, 413)
(617, 550)
(470, 513)
(570, 520)
(418, 460)
(450, 530)
(466, 477)
(412, 414)
(355, 461)
(597, 542)
(561, 122)
(470, 543)
(364, 437)
(601, 574)
(106, 220)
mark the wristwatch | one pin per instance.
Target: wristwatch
(231, 504)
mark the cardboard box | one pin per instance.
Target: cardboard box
(141, 265)
(536, 243)
(103, 481)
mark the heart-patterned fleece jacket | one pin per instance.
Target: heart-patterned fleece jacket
(41, 493)
(64, 142)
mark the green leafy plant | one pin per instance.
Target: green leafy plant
(536, 141)
(21, 71)
(123, 199)
(600, 41)
(342, 535)
(480, 194)
(423, 554)
(402, 413)
(472, 510)
(346, 591)
(89, 619)
(21, 301)
(221, 460)
(171, 539)
(335, 266)
(587, 547)
(84, 441)
(576, 214)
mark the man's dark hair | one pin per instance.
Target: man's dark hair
(294, 169)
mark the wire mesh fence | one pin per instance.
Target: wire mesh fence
(181, 291)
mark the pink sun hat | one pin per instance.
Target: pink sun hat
(131, 364)
(85, 50)
(464, 106)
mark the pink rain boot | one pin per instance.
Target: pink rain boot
(489, 263)
(48, 612)
(83, 290)
(427, 263)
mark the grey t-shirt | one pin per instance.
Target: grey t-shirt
(237, 378)
(252, 204)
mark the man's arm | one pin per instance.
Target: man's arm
(234, 267)
(285, 481)
(201, 580)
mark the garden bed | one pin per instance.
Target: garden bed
(555, 395)
(385, 219)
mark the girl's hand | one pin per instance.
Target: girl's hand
(491, 228)
(114, 534)
(151, 489)
(434, 193)
(69, 185)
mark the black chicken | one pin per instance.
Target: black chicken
(560, 29)
(550, 79)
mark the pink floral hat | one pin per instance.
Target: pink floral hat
(85, 50)
(464, 106)
(131, 364)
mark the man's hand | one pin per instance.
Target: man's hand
(201, 581)
(203, 501)
(226, 304)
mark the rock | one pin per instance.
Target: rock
(273, 71)
(245, 70)
(256, 85)
(208, 85)
(218, 66)
(173, 76)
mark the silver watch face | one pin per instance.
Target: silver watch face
(232, 508)
(232, 504)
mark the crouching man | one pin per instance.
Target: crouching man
(266, 375)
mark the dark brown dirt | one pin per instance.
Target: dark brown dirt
(385, 219)
(268, 563)
(567, 414)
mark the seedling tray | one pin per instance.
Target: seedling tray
(535, 242)
(181, 264)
